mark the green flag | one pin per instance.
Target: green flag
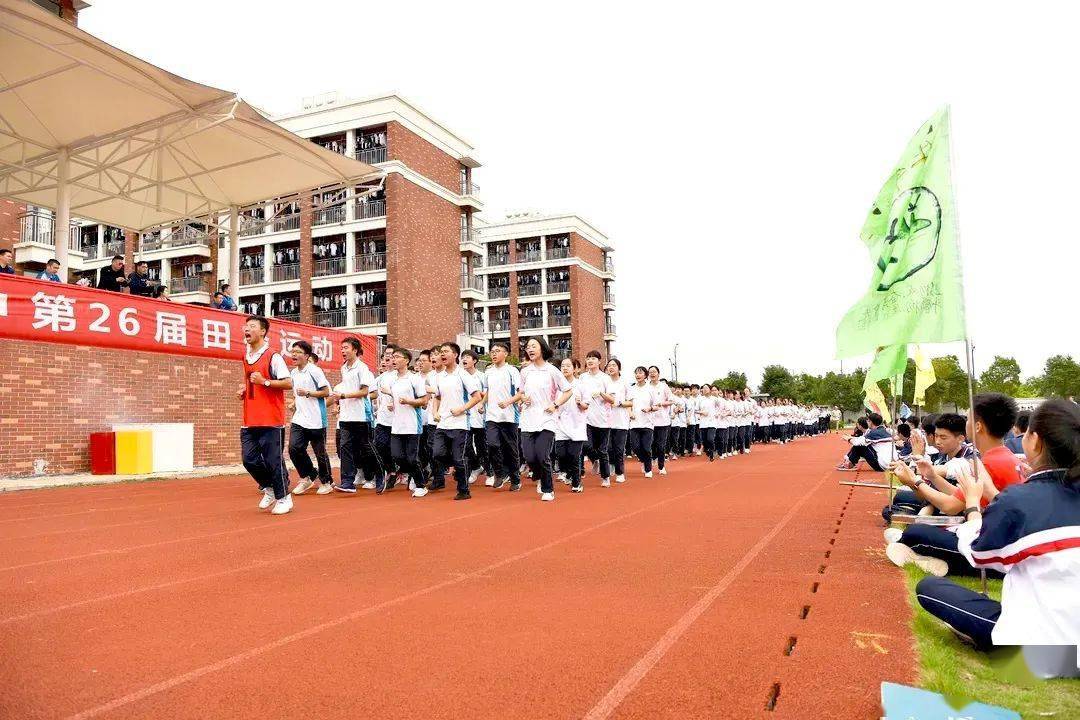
(916, 293)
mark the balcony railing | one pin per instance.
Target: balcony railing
(251, 226)
(529, 256)
(183, 237)
(114, 247)
(150, 242)
(500, 325)
(472, 282)
(609, 265)
(294, 317)
(558, 253)
(609, 328)
(331, 318)
(371, 155)
(558, 320)
(558, 287)
(530, 323)
(37, 227)
(469, 188)
(290, 222)
(498, 293)
(371, 315)
(474, 328)
(529, 290)
(252, 276)
(326, 216)
(189, 284)
(609, 295)
(91, 251)
(369, 262)
(498, 259)
(283, 273)
(332, 266)
(367, 209)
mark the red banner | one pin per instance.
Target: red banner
(45, 311)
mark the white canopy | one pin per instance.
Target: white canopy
(130, 144)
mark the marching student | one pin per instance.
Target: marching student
(678, 423)
(456, 393)
(310, 390)
(384, 419)
(620, 423)
(570, 426)
(661, 417)
(641, 424)
(427, 371)
(501, 417)
(476, 453)
(706, 412)
(407, 399)
(355, 419)
(543, 391)
(691, 444)
(599, 389)
(723, 424)
(266, 378)
(751, 408)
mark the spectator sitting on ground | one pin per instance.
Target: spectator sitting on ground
(903, 440)
(934, 548)
(873, 447)
(951, 444)
(139, 281)
(112, 277)
(861, 426)
(51, 271)
(1015, 439)
(1030, 532)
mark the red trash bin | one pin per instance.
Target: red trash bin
(103, 453)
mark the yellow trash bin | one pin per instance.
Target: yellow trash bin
(134, 452)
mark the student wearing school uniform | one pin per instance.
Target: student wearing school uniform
(706, 411)
(691, 442)
(427, 372)
(502, 382)
(407, 399)
(678, 424)
(476, 453)
(661, 417)
(543, 391)
(620, 423)
(355, 419)
(641, 396)
(456, 393)
(723, 423)
(384, 418)
(310, 390)
(597, 386)
(751, 418)
(571, 425)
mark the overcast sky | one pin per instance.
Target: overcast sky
(730, 152)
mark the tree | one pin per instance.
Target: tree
(1061, 377)
(1002, 376)
(733, 381)
(776, 381)
(951, 387)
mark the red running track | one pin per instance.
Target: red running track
(719, 591)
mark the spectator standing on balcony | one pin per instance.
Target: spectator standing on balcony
(139, 281)
(112, 277)
(7, 262)
(51, 271)
(266, 378)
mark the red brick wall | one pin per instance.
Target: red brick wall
(55, 395)
(423, 157)
(423, 266)
(582, 248)
(9, 222)
(307, 261)
(586, 311)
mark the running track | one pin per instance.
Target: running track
(673, 597)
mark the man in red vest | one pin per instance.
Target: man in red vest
(266, 378)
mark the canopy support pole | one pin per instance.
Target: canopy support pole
(62, 220)
(234, 252)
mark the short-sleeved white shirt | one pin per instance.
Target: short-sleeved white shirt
(660, 393)
(407, 419)
(354, 379)
(620, 416)
(571, 422)
(384, 413)
(678, 412)
(641, 396)
(599, 414)
(502, 383)
(706, 411)
(429, 385)
(310, 412)
(691, 404)
(542, 386)
(476, 415)
(454, 390)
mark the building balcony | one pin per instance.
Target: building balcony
(555, 288)
(199, 283)
(90, 251)
(472, 287)
(371, 156)
(529, 256)
(369, 209)
(498, 293)
(293, 317)
(474, 328)
(251, 226)
(371, 315)
(285, 272)
(500, 325)
(530, 323)
(530, 290)
(469, 188)
(558, 253)
(328, 215)
(609, 331)
(331, 318)
(369, 262)
(470, 244)
(36, 228)
(498, 259)
(609, 265)
(284, 224)
(558, 320)
(331, 266)
(252, 276)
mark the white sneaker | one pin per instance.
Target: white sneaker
(663, 471)
(893, 534)
(473, 476)
(490, 482)
(547, 497)
(561, 477)
(267, 498)
(648, 474)
(620, 478)
(901, 555)
(325, 489)
(302, 487)
(419, 492)
(606, 482)
(579, 488)
(369, 485)
(282, 506)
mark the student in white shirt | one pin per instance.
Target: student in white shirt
(707, 420)
(678, 423)
(355, 418)
(691, 442)
(407, 399)
(427, 370)
(661, 417)
(476, 453)
(571, 425)
(456, 393)
(597, 387)
(641, 428)
(620, 422)
(501, 417)
(543, 391)
(308, 427)
(384, 416)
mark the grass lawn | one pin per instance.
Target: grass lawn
(955, 670)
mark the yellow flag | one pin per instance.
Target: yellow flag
(875, 401)
(924, 375)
